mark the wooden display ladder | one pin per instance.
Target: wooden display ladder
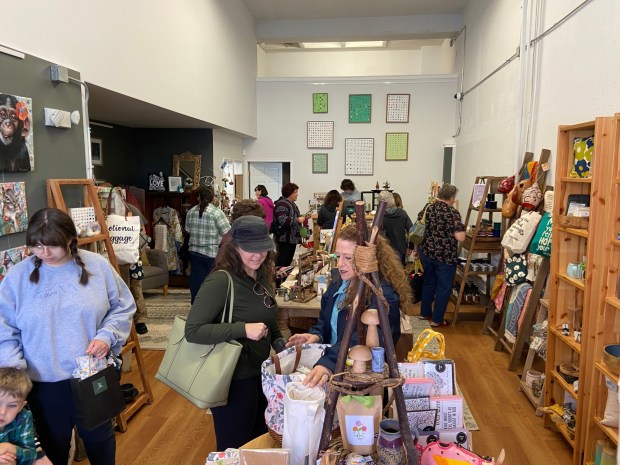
(390, 353)
(56, 199)
(478, 245)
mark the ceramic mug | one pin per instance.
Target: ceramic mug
(574, 270)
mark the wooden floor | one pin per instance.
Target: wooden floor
(172, 431)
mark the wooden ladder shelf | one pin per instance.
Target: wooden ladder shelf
(56, 199)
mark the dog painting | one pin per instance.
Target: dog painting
(10, 257)
(13, 210)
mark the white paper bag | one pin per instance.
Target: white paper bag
(304, 413)
(125, 237)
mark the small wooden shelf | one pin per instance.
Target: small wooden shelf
(492, 210)
(613, 301)
(567, 387)
(568, 340)
(577, 180)
(615, 242)
(484, 301)
(600, 366)
(578, 283)
(461, 269)
(529, 394)
(91, 239)
(575, 231)
(612, 433)
(562, 428)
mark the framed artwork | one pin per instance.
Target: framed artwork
(175, 184)
(359, 108)
(319, 103)
(11, 257)
(396, 146)
(17, 146)
(319, 163)
(320, 135)
(96, 152)
(14, 217)
(397, 108)
(359, 156)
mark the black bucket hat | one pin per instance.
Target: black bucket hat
(252, 234)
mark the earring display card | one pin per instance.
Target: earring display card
(319, 103)
(319, 163)
(397, 108)
(359, 108)
(320, 135)
(396, 146)
(359, 156)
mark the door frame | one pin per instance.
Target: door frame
(250, 191)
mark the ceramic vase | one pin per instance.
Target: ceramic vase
(389, 444)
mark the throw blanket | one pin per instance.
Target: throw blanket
(518, 301)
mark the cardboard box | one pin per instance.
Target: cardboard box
(264, 456)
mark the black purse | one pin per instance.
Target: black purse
(97, 398)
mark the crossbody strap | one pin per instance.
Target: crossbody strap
(423, 220)
(230, 298)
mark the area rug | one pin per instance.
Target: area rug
(416, 326)
(161, 312)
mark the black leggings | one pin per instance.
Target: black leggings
(54, 418)
(243, 417)
(286, 252)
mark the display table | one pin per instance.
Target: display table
(290, 309)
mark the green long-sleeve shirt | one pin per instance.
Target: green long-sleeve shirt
(203, 323)
(20, 433)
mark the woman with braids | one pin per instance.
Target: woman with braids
(337, 300)
(57, 305)
(206, 224)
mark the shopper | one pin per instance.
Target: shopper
(246, 207)
(337, 300)
(349, 193)
(17, 443)
(327, 212)
(249, 259)
(262, 196)
(398, 200)
(396, 225)
(287, 224)
(60, 304)
(206, 224)
(444, 230)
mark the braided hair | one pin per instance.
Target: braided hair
(205, 197)
(53, 227)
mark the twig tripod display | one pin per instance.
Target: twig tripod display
(365, 265)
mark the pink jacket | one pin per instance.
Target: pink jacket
(267, 204)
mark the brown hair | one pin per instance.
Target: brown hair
(347, 185)
(228, 259)
(53, 227)
(398, 200)
(288, 189)
(15, 382)
(332, 199)
(247, 207)
(390, 268)
(205, 197)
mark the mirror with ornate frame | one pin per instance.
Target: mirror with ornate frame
(187, 165)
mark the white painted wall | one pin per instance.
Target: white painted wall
(227, 146)
(438, 59)
(195, 57)
(285, 106)
(576, 80)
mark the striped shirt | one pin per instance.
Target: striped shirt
(206, 233)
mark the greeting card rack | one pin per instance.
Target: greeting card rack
(55, 198)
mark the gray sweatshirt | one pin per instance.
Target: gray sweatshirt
(44, 327)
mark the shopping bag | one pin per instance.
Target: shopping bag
(125, 237)
(98, 398)
(304, 413)
(418, 230)
(280, 370)
(518, 236)
(200, 372)
(419, 352)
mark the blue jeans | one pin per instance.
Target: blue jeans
(438, 279)
(201, 267)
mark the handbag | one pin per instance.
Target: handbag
(417, 231)
(516, 269)
(98, 398)
(418, 351)
(416, 281)
(506, 185)
(124, 231)
(200, 372)
(518, 236)
(439, 453)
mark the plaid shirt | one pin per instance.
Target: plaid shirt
(206, 232)
(20, 433)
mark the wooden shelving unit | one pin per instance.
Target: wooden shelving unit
(605, 315)
(572, 245)
(475, 245)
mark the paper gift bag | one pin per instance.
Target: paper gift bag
(359, 418)
(450, 411)
(97, 398)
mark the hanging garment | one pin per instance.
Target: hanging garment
(518, 299)
(169, 217)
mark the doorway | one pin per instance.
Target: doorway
(272, 175)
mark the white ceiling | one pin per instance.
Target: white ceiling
(317, 19)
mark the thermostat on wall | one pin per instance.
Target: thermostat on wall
(57, 118)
